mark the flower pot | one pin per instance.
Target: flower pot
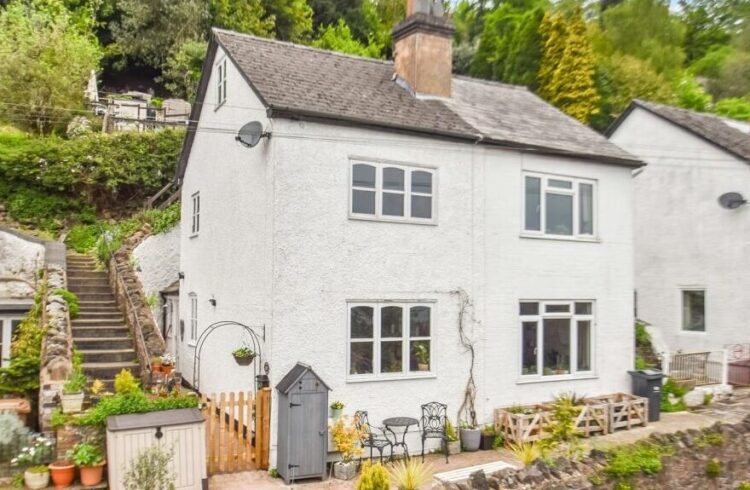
(454, 447)
(92, 475)
(487, 441)
(244, 361)
(423, 367)
(344, 471)
(71, 402)
(470, 439)
(63, 473)
(336, 413)
(155, 368)
(36, 481)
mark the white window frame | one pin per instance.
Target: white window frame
(682, 311)
(195, 223)
(574, 192)
(6, 335)
(408, 193)
(193, 318)
(221, 82)
(574, 318)
(405, 338)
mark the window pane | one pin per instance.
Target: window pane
(361, 358)
(421, 182)
(584, 346)
(559, 214)
(419, 321)
(391, 319)
(557, 308)
(533, 202)
(529, 308)
(363, 176)
(393, 179)
(560, 184)
(586, 209)
(391, 355)
(393, 204)
(583, 308)
(528, 356)
(363, 202)
(419, 355)
(361, 322)
(421, 207)
(556, 346)
(693, 311)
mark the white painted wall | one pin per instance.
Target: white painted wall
(158, 265)
(276, 247)
(684, 239)
(20, 259)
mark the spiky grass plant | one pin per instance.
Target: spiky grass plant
(526, 452)
(410, 474)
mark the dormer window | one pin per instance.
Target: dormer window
(221, 82)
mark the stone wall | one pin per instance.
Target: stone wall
(684, 469)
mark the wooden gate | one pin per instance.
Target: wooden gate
(238, 427)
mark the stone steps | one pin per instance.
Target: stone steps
(102, 343)
(108, 370)
(97, 321)
(108, 355)
(93, 332)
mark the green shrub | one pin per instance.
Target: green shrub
(640, 363)
(132, 402)
(82, 238)
(709, 439)
(150, 469)
(373, 477)
(21, 376)
(86, 454)
(623, 485)
(126, 383)
(672, 388)
(638, 458)
(743, 486)
(164, 219)
(69, 298)
(642, 337)
(47, 210)
(58, 418)
(713, 468)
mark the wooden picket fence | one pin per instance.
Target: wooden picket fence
(238, 429)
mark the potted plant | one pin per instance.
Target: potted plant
(167, 363)
(336, 408)
(90, 462)
(470, 436)
(422, 355)
(243, 355)
(36, 477)
(63, 473)
(488, 437)
(454, 445)
(156, 364)
(72, 395)
(346, 438)
(96, 391)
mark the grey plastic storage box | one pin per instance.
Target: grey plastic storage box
(647, 383)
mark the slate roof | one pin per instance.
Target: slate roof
(294, 375)
(713, 129)
(299, 81)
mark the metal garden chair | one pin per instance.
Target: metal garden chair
(433, 422)
(371, 437)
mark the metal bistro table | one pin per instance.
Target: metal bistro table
(399, 423)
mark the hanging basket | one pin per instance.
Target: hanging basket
(244, 361)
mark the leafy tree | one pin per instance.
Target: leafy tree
(339, 38)
(566, 74)
(734, 107)
(711, 63)
(380, 17)
(328, 12)
(46, 62)
(293, 18)
(246, 16)
(690, 94)
(709, 23)
(734, 77)
(183, 69)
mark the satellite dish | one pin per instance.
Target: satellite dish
(731, 200)
(250, 134)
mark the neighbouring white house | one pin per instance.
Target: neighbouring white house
(692, 253)
(390, 208)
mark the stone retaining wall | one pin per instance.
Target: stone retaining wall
(685, 469)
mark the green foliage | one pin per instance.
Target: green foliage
(734, 107)
(45, 73)
(642, 337)
(18, 480)
(43, 210)
(248, 16)
(623, 485)
(21, 376)
(638, 458)
(338, 37)
(713, 468)
(690, 94)
(69, 298)
(373, 477)
(126, 383)
(708, 439)
(708, 397)
(526, 452)
(76, 380)
(450, 432)
(709, 23)
(744, 485)
(677, 391)
(82, 238)
(712, 62)
(150, 469)
(58, 418)
(86, 454)
(293, 19)
(132, 402)
(640, 363)
(182, 70)
(498, 442)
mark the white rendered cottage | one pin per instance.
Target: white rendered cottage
(388, 204)
(692, 255)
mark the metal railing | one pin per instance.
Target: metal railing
(703, 368)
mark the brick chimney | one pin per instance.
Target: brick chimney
(423, 48)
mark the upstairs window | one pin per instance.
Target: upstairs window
(392, 192)
(221, 82)
(559, 206)
(694, 310)
(195, 224)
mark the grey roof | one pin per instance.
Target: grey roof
(709, 127)
(300, 81)
(294, 375)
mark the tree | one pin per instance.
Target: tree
(690, 94)
(339, 38)
(183, 69)
(706, 27)
(46, 62)
(246, 16)
(328, 12)
(734, 107)
(293, 19)
(566, 74)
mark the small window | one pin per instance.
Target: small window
(193, 317)
(195, 224)
(221, 82)
(558, 207)
(8, 326)
(694, 310)
(392, 193)
(389, 340)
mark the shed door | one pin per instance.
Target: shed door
(307, 434)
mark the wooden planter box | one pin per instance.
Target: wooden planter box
(625, 411)
(593, 419)
(524, 427)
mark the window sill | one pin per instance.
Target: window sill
(194, 235)
(563, 238)
(368, 379)
(548, 379)
(219, 105)
(692, 332)
(191, 343)
(406, 221)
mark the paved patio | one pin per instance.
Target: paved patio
(729, 411)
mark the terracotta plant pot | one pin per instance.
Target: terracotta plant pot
(63, 473)
(36, 481)
(156, 368)
(166, 369)
(92, 475)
